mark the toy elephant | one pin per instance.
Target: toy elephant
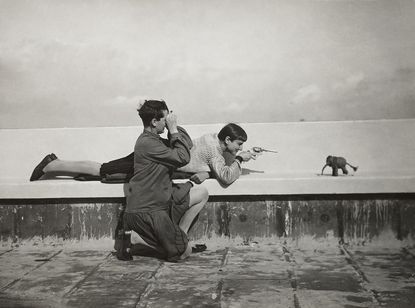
(337, 162)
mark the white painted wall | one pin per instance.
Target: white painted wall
(377, 147)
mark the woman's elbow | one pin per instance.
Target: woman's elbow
(226, 181)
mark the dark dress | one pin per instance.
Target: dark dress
(154, 205)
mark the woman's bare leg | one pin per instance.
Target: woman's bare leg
(186, 253)
(64, 167)
(198, 198)
(137, 239)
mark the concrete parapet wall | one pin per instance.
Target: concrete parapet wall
(278, 194)
(382, 149)
(349, 218)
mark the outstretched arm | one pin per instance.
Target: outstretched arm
(225, 174)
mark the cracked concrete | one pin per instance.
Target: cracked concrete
(267, 272)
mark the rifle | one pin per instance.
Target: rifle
(260, 150)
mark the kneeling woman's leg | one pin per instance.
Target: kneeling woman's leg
(198, 198)
(163, 238)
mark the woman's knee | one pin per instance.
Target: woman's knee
(198, 195)
(204, 193)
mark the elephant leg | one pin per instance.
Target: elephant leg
(335, 171)
(344, 170)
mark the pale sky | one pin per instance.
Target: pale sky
(86, 63)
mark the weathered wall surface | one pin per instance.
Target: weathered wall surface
(350, 218)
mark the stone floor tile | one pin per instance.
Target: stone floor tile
(16, 264)
(334, 299)
(254, 275)
(257, 293)
(390, 274)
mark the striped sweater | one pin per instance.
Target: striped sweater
(206, 155)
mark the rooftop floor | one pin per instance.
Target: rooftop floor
(268, 272)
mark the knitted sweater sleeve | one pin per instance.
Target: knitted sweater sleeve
(226, 175)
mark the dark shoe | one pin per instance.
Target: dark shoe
(199, 248)
(38, 171)
(122, 246)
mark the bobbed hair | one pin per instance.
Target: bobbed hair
(151, 109)
(234, 131)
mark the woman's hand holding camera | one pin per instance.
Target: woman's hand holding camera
(171, 123)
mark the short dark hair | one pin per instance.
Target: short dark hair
(152, 109)
(234, 131)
